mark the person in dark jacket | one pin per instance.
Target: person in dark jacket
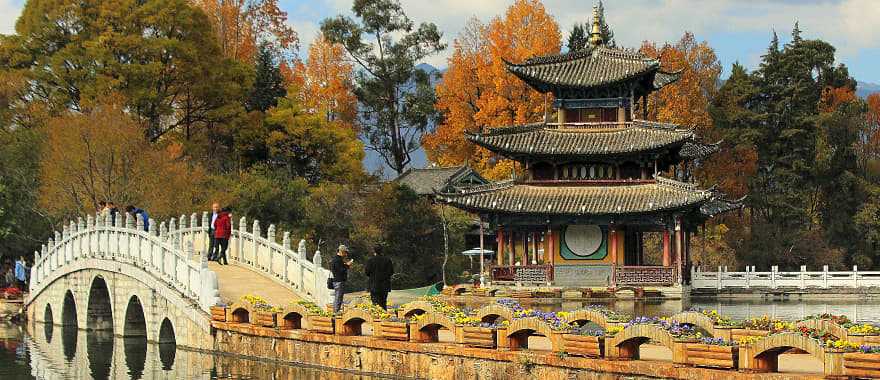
(379, 270)
(212, 242)
(339, 268)
(222, 233)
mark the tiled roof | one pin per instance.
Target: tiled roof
(639, 197)
(541, 139)
(663, 78)
(428, 180)
(590, 67)
(697, 150)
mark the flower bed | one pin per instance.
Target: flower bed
(678, 331)
(712, 352)
(218, 313)
(863, 363)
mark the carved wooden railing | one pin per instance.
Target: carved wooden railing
(523, 273)
(644, 276)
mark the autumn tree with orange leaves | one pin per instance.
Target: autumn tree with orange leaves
(478, 93)
(326, 80)
(241, 25)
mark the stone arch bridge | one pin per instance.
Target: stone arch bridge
(111, 275)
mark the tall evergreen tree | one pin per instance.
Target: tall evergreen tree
(268, 82)
(580, 33)
(577, 39)
(396, 98)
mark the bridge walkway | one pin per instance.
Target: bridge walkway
(236, 281)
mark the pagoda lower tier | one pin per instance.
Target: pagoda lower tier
(592, 233)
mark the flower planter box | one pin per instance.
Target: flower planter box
(707, 355)
(474, 336)
(737, 334)
(723, 332)
(521, 294)
(480, 292)
(548, 294)
(319, 324)
(264, 318)
(857, 364)
(218, 313)
(868, 340)
(393, 330)
(583, 345)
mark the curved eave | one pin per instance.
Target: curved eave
(719, 205)
(530, 141)
(524, 199)
(698, 151)
(662, 78)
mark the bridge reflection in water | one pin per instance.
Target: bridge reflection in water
(58, 352)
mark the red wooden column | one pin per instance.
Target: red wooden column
(679, 242)
(667, 260)
(550, 246)
(613, 237)
(499, 254)
(511, 254)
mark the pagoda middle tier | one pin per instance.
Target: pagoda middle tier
(609, 141)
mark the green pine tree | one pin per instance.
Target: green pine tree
(268, 82)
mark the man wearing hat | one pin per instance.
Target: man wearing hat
(339, 268)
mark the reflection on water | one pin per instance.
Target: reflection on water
(861, 310)
(35, 352)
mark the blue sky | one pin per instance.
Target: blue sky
(739, 30)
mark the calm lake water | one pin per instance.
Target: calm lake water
(53, 352)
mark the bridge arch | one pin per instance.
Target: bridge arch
(68, 310)
(352, 320)
(696, 319)
(427, 328)
(292, 317)
(166, 332)
(47, 315)
(519, 331)
(581, 317)
(626, 343)
(763, 355)
(99, 313)
(135, 324)
(494, 314)
(414, 308)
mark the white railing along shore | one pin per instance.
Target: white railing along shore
(124, 240)
(774, 279)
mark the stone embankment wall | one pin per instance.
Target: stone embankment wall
(366, 354)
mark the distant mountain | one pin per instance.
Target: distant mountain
(374, 163)
(865, 88)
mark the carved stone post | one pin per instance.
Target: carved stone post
(257, 232)
(286, 252)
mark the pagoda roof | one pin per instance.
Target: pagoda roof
(586, 139)
(601, 198)
(719, 205)
(593, 66)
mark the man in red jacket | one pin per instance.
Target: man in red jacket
(222, 228)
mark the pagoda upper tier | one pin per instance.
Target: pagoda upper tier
(555, 142)
(596, 71)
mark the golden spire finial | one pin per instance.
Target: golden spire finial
(596, 31)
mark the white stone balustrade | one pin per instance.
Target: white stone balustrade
(157, 252)
(774, 279)
(263, 254)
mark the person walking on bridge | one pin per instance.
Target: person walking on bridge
(222, 232)
(339, 268)
(212, 242)
(379, 270)
(139, 213)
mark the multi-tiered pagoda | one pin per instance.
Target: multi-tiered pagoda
(592, 187)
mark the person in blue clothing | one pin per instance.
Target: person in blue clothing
(21, 273)
(141, 213)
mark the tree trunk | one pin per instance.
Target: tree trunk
(445, 242)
